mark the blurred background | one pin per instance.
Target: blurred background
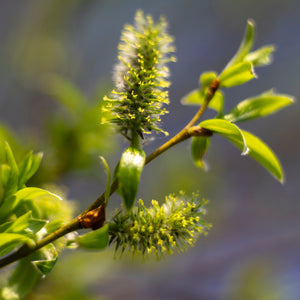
(56, 61)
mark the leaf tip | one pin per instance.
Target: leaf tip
(251, 22)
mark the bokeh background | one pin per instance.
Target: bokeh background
(56, 61)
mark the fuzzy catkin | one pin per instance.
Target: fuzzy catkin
(159, 230)
(141, 77)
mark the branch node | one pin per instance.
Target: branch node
(93, 219)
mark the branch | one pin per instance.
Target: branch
(77, 223)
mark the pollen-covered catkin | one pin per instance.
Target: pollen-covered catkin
(141, 77)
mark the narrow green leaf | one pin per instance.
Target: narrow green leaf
(107, 191)
(29, 167)
(131, 166)
(12, 178)
(66, 93)
(262, 56)
(245, 45)
(9, 241)
(196, 97)
(11, 159)
(24, 200)
(25, 225)
(22, 281)
(24, 168)
(259, 106)
(47, 260)
(228, 130)
(262, 154)
(198, 148)
(4, 180)
(237, 74)
(97, 239)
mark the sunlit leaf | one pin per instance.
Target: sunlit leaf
(130, 168)
(228, 130)
(28, 167)
(47, 261)
(24, 200)
(259, 106)
(25, 225)
(262, 154)
(107, 191)
(207, 78)
(262, 56)
(237, 74)
(22, 281)
(11, 177)
(197, 97)
(245, 45)
(198, 148)
(97, 239)
(9, 241)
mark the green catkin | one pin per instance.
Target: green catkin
(160, 229)
(141, 77)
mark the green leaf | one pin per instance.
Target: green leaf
(11, 159)
(197, 97)
(262, 56)
(245, 46)
(259, 106)
(207, 78)
(262, 154)
(66, 93)
(24, 200)
(29, 167)
(228, 130)
(131, 166)
(22, 281)
(9, 241)
(107, 191)
(198, 148)
(237, 74)
(97, 239)
(47, 261)
(25, 225)
(11, 178)
(4, 179)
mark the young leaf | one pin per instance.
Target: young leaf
(29, 167)
(11, 178)
(207, 78)
(22, 280)
(9, 241)
(245, 46)
(262, 154)
(23, 225)
(228, 130)
(66, 93)
(11, 159)
(259, 106)
(107, 191)
(197, 97)
(237, 74)
(198, 148)
(48, 257)
(24, 200)
(4, 179)
(97, 239)
(131, 165)
(24, 168)
(261, 56)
